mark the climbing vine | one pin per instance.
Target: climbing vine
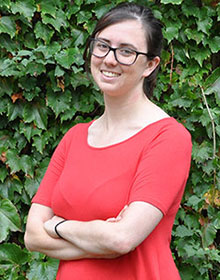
(44, 91)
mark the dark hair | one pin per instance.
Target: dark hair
(153, 31)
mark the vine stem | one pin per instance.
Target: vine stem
(212, 122)
(172, 59)
(213, 134)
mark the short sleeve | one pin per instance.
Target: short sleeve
(163, 169)
(54, 170)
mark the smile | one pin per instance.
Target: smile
(110, 74)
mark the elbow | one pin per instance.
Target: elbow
(30, 242)
(122, 244)
(27, 242)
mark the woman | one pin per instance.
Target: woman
(108, 200)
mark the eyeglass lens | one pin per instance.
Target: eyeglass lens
(122, 55)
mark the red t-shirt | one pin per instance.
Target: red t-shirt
(87, 183)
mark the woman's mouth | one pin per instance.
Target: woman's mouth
(110, 74)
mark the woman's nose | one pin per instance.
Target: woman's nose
(110, 58)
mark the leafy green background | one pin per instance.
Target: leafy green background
(44, 91)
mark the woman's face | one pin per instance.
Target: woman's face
(112, 77)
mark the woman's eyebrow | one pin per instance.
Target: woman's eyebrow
(120, 45)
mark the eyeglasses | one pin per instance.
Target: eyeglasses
(123, 55)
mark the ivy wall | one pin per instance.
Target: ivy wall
(44, 91)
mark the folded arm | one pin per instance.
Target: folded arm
(37, 239)
(111, 237)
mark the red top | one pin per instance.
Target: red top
(87, 183)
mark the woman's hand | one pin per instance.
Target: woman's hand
(119, 217)
(49, 226)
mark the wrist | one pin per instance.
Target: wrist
(57, 230)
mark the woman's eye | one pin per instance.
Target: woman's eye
(102, 46)
(126, 52)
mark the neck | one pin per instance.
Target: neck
(121, 110)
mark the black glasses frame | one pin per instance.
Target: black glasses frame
(92, 40)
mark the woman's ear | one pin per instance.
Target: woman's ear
(151, 66)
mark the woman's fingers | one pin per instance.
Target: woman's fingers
(119, 217)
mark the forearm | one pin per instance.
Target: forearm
(57, 248)
(40, 241)
(107, 238)
(94, 237)
(63, 250)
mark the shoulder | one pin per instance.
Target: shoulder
(173, 127)
(171, 133)
(74, 133)
(76, 129)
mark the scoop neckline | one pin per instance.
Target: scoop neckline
(125, 140)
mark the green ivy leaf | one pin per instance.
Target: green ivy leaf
(78, 2)
(182, 102)
(59, 72)
(102, 9)
(79, 79)
(190, 10)
(172, 30)
(174, 2)
(6, 86)
(34, 69)
(49, 51)
(59, 102)
(29, 41)
(194, 35)
(12, 254)
(58, 21)
(83, 16)
(5, 3)
(68, 114)
(79, 37)
(8, 68)
(214, 44)
(201, 153)
(200, 55)
(24, 7)
(209, 235)
(205, 25)
(11, 188)
(31, 186)
(218, 12)
(28, 83)
(42, 269)
(8, 43)
(48, 7)
(183, 231)
(13, 160)
(84, 103)
(37, 113)
(27, 166)
(72, 10)
(215, 87)
(66, 57)
(14, 111)
(44, 32)
(9, 218)
(7, 25)
(20, 140)
(29, 130)
(217, 97)
(3, 173)
(41, 141)
(195, 202)
(211, 79)
(6, 141)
